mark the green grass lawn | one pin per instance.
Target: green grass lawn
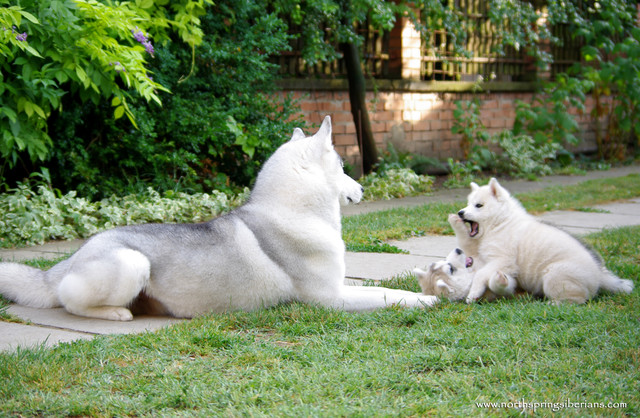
(297, 360)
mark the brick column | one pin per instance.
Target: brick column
(404, 50)
(411, 54)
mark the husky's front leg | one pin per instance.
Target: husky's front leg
(366, 298)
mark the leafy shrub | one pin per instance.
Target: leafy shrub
(609, 71)
(461, 173)
(91, 50)
(468, 124)
(391, 158)
(523, 156)
(394, 183)
(33, 217)
(214, 130)
(524, 151)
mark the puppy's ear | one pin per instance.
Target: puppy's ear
(497, 190)
(440, 284)
(419, 273)
(474, 186)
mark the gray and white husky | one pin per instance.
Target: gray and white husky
(283, 245)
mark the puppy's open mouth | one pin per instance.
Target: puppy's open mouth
(468, 262)
(473, 228)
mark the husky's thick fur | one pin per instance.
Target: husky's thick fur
(543, 260)
(283, 245)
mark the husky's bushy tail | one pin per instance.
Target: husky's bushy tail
(26, 286)
(612, 283)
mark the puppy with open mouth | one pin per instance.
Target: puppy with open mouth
(512, 248)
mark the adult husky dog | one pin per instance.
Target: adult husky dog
(512, 245)
(283, 245)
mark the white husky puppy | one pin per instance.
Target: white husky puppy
(542, 259)
(450, 278)
(283, 245)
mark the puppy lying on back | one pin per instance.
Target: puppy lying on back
(452, 278)
(449, 278)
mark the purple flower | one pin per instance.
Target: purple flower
(139, 36)
(148, 47)
(21, 36)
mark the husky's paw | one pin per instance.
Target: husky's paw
(120, 314)
(428, 301)
(110, 313)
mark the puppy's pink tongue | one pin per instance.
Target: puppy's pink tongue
(468, 262)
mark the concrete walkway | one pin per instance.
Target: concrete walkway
(53, 326)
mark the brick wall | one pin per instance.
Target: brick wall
(418, 122)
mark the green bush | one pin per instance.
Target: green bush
(93, 51)
(36, 213)
(394, 183)
(609, 72)
(523, 156)
(214, 129)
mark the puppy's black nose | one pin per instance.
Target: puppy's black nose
(461, 213)
(362, 189)
(458, 251)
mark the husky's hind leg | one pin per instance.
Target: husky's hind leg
(502, 284)
(103, 288)
(565, 289)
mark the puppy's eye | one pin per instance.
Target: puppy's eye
(479, 205)
(452, 269)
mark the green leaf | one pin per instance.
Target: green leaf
(28, 108)
(33, 51)
(590, 53)
(39, 111)
(118, 112)
(82, 75)
(29, 17)
(144, 4)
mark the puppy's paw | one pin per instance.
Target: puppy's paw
(502, 284)
(469, 300)
(474, 294)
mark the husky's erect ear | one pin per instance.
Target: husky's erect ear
(324, 134)
(474, 186)
(297, 134)
(498, 191)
